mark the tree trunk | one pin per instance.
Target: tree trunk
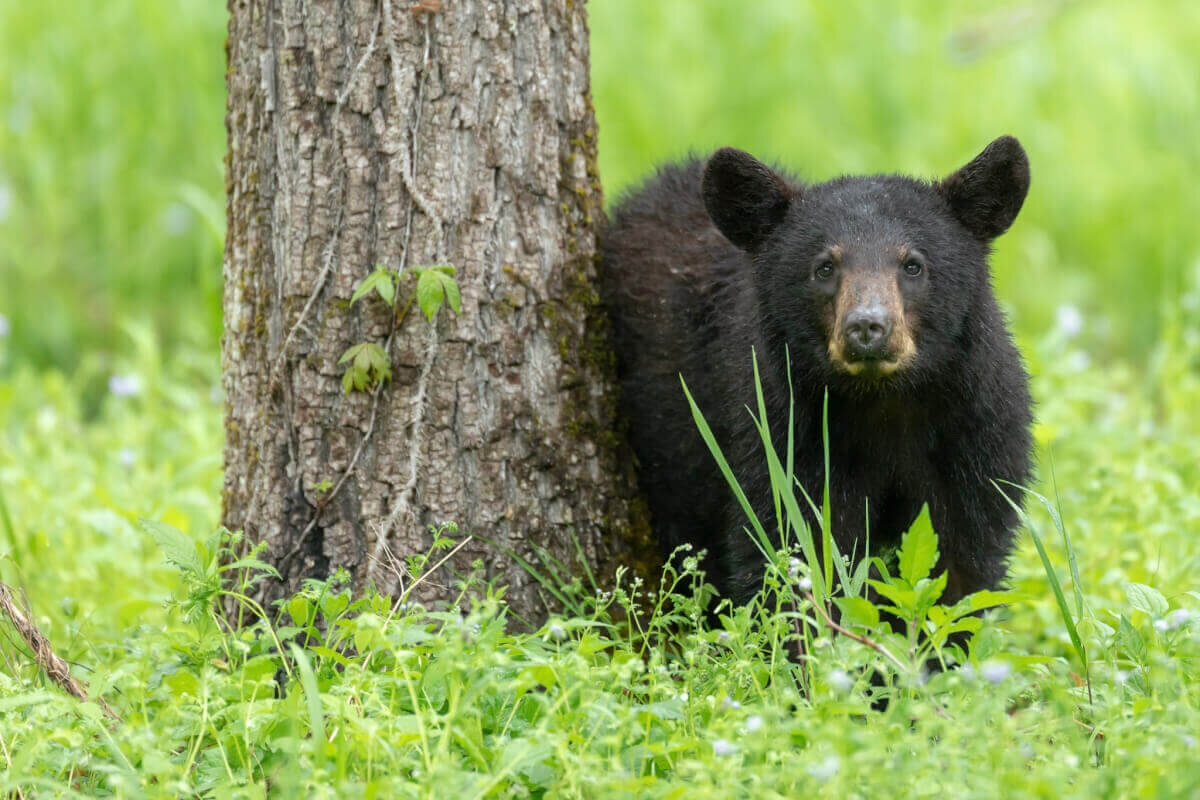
(407, 134)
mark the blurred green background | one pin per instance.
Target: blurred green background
(111, 139)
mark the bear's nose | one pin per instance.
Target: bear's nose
(867, 331)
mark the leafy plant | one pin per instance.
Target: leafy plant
(368, 364)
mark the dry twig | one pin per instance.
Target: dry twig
(48, 661)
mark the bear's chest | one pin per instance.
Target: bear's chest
(883, 467)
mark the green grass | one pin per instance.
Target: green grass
(404, 702)
(110, 222)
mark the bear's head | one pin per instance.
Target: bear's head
(868, 280)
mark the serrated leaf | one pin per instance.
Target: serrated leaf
(351, 352)
(381, 281)
(177, 546)
(1146, 598)
(1131, 640)
(918, 549)
(905, 599)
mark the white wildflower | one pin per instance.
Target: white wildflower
(826, 769)
(125, 385)
(1069, 320)
(724, 747)
(839, 679)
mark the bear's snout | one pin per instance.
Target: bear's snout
(867, 333)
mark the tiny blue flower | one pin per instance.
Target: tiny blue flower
(557, 631)
(754, 723)
(995, 671)
(5, 326)
(805, 584)
(127, 457)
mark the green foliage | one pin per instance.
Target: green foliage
(368, 366)
(382, 281)
(436, 285)
(600, 701)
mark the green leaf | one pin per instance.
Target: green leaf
(1052, 577)
(253, 564)
(1131, 641)
(312, 696)
(759, 536)
(1146, 598)
(905, 599)
(435, 286)
(177, 546)
(381, 281)
(985, 598)
(300, 610)
(858, 611)
(368, 365)
(918, 549)
(351, 352)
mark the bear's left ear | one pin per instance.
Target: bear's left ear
(745, 198)
(986, 194)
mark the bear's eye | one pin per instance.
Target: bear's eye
(913, 268)
(824, 270)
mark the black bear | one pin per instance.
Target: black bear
(875, 289)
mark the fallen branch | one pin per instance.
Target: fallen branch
(48, 661)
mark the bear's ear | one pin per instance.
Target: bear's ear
(986, 194)
(745, 198)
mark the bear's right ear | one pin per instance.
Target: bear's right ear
(745, 198)
(986, 194)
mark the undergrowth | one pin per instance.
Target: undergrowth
(1082, 684)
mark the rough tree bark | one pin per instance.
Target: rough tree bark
(402, 133)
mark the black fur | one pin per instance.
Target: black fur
(685, 300)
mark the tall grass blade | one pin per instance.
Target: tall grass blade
(1051, 575)
(760, 538)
